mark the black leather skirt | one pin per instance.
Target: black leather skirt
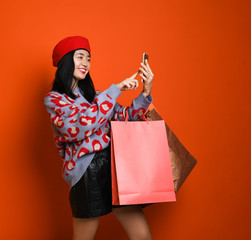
(91, 196)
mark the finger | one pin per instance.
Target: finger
(144, 71)
(135, 74)
(148, 66)
(127, 85)
(143, 77)
(144, 66)
(132, 81)
(131, 85)
(135, 83)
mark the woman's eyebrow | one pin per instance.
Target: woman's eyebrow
(84, 54)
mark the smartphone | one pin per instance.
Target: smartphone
(145, 57)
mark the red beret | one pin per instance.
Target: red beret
(68, 44)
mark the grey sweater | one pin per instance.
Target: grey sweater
(82, 128)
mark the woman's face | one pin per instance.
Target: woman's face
(82, 61)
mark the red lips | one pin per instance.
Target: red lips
(105, 107)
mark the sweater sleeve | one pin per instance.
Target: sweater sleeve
(135, 110)
(74, 123)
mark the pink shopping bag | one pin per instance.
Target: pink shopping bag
(140, 163)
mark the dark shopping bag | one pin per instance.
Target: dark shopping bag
(182, 161)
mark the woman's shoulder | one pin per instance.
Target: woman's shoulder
(60, 99)
(54, 94)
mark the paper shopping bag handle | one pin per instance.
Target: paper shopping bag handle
(126, 118)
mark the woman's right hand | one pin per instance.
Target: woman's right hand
(129, 83)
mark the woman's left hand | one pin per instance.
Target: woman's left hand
(147, 76)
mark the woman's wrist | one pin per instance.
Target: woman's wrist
(117, 85)
(146, 94)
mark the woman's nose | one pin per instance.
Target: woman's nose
(85, 62)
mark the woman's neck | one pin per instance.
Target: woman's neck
(74, 84)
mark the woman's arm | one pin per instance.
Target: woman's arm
(135, 110)
(142, 102)
(74, 123)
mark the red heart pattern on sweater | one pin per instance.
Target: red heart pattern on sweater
(53, 95)
(96, 145)
(79, 143)
(74, 112)
(84, 105)
(70, 165)
(105, 107)
(58, 121)
(108, 96)
(101, 120)
(69, 99)
(73, 120)
(68, 151)
(60, 103)
(86, 120)
(82, 152)
(94, 108)
(74, 131)
(89, 133)
(98, 132)
(105, 138)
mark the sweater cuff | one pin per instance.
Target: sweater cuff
(143, 102)
(149, 98)
(114, 91)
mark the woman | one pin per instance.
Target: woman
(80, 119)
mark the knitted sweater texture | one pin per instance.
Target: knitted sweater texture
(82, 128)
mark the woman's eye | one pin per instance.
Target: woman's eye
(80, 57)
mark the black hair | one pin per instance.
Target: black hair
(64, 78)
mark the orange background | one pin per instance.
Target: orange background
(199, 52)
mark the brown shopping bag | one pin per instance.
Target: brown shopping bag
(182, 161)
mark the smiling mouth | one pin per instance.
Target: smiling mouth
(82, 70)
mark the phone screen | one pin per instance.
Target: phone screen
(145, 57)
